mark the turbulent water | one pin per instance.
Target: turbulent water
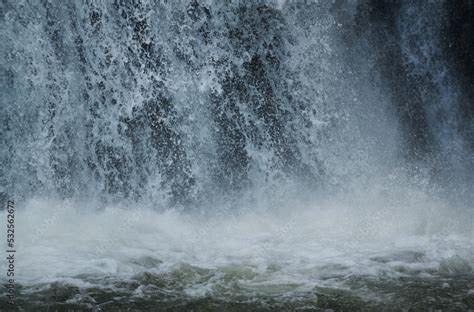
(238, 155)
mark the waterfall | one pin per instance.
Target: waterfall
(174, 114)
(181, 102)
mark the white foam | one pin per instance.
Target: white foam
(57, 241)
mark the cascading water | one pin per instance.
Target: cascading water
(238, 155)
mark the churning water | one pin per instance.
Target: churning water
(238, 155)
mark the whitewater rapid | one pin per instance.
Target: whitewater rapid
(304, 246)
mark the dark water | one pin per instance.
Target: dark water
(165, 293)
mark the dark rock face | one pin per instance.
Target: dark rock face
(377, 22)
(459, 47)
(409, 57)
